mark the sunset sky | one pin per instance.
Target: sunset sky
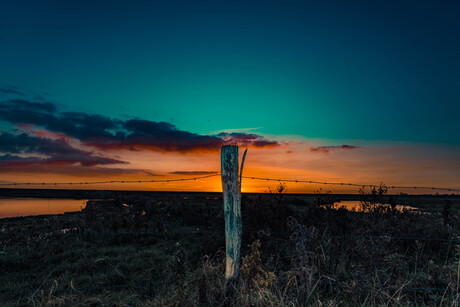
(344, 91)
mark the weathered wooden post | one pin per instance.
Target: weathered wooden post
(231, 188)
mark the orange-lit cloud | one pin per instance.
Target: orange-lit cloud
(106, 133)
(52, 146)
(328, 149)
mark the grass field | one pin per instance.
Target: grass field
(297, 251)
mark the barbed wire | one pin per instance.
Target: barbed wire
(348, 184)
(108, 181)
(218, 174)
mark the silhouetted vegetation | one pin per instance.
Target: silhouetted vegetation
(169, 251)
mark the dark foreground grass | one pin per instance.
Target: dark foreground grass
(170, 252)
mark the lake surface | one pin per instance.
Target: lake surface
(13, 207)
(354, 205)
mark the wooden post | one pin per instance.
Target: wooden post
(231, 188)
(232, 209)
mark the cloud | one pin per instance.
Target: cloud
(12, 108)
(106, 133)
(44, 114)
(240, 130)
(194, 173)
(138, 134)
(11, 90)
(327, 149)
(23, 150)
(150, 173)
(243, 139)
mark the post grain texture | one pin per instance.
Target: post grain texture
(232, 210)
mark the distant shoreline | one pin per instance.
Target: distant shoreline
(106, 194)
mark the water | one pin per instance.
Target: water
(354, 205)
(13, 207)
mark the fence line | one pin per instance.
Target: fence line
(348, 184)
(320, 281)
(218, 174)
(105, 182)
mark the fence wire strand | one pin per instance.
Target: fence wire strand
(218, 174)
(106, 182)
(348, 184)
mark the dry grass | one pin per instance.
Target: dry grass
(170, 253)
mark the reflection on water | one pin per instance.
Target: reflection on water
(354, 205)
(12, 207)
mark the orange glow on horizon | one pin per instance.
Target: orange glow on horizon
(366, 165)
(211, 184)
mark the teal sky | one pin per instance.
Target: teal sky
(346, 70)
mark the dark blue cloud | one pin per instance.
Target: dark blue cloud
(25, 150)
(327, 149)
(14, 106)
(112, 134)
(12, 91)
